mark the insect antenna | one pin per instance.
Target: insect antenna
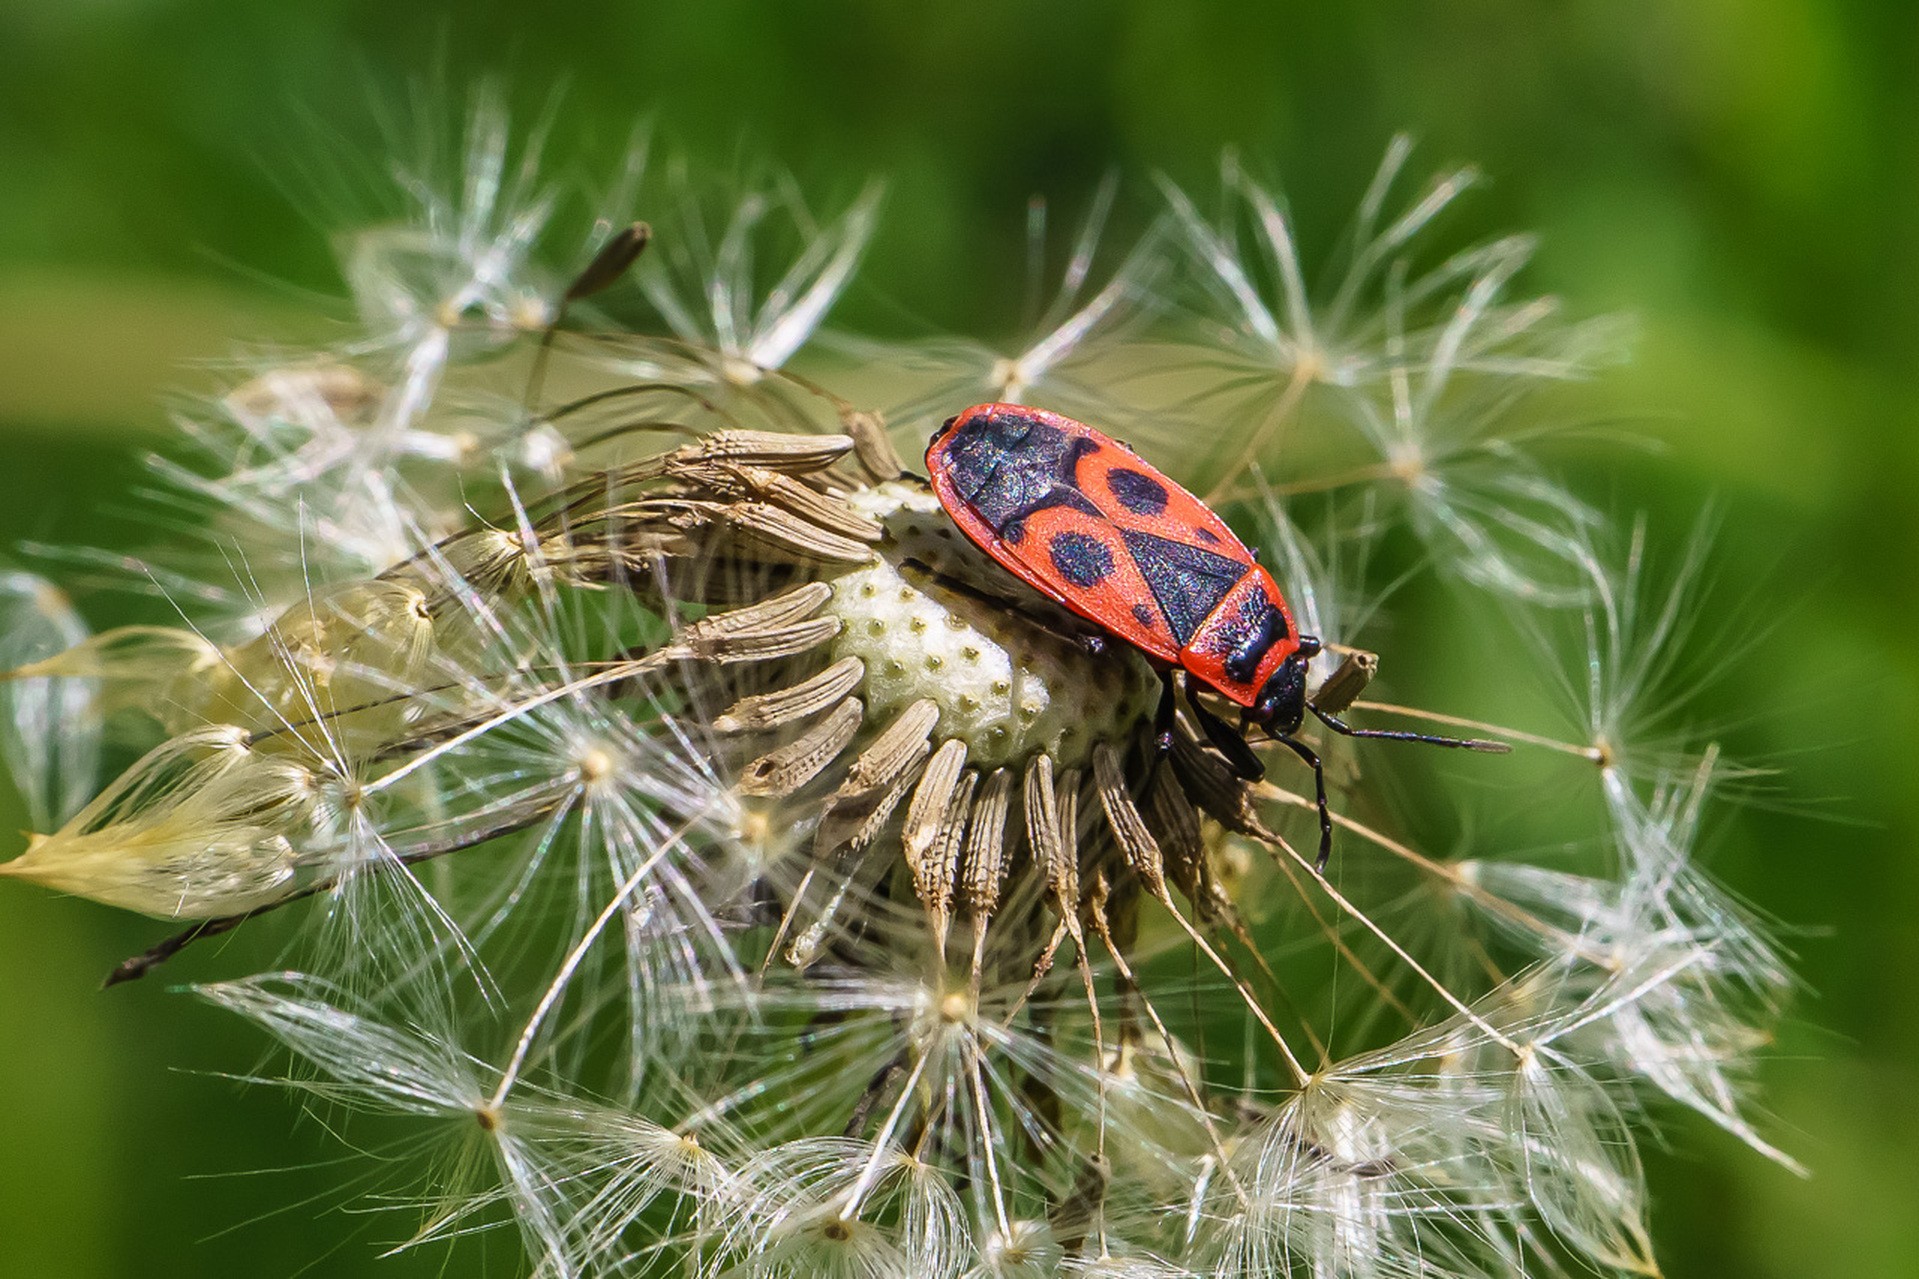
(1341, 727)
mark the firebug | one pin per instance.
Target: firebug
(1087, 523)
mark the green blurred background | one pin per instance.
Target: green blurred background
(1741, 176)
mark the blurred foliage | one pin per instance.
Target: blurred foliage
(1741, 177)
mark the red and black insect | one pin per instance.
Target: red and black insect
(1083, 520)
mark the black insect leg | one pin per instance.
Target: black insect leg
(1163, 715)
(1305, 752)
(1163, 721)
(1089, 642)
(1232, 745)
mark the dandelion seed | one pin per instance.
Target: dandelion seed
(1677, 985)
(1634, 682)
(711, 298)
(463, 257)
(203, 826)
(1024, 1250)
(1060, 360)
(841, 1208)
(425, 1074)
(153, 669)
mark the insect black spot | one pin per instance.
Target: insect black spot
(1144, 616)
(1206, 535)
(1009, 465)
(1187, 582)
(979, 449)
(1082, 560)
(1136, 491)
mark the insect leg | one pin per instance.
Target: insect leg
(1164, 713)
(1087, 641)
(1163, 722)
(1232, 745)
(1165, 717)
(1305, 752)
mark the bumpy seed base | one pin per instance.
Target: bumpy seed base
(933, 617)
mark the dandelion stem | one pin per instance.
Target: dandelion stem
(575, 958)
(1345, 952)
(1366, 921)
(870, 1173)
(1179, 1068)
(1300, 1073)
(978, 1082)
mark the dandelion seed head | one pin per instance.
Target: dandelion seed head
(1024, 1249)
(737, 873)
